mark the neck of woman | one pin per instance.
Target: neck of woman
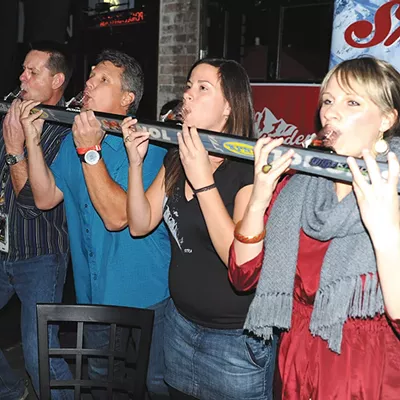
(215, 161)
(342, 190)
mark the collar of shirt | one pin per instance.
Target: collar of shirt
(115, 142)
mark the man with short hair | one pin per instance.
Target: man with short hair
(91, 175)
(33, 244)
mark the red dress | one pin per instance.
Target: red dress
(368, 367)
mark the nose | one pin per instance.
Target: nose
(187, 95)
(330, 112)
(23, 77)
(89, 84)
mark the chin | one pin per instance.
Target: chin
(86, 105)
(26, 97)
(194, 122)
(347, 153)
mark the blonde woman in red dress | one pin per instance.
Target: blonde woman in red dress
(328, 271)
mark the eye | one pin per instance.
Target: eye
(326, 102)
(353, 103)
(104, 79)
(203, 88)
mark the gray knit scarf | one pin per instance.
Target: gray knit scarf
(310, 203)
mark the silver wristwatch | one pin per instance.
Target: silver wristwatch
(12, 159)
(91, 157)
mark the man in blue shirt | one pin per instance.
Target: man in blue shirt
(90, 174)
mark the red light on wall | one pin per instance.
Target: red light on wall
(133, 17)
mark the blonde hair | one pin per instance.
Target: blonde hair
(379, 79)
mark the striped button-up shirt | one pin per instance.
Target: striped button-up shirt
(33, 232)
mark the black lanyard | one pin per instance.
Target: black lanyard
(3, 182)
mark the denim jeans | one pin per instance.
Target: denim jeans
(97, 336)
(36, 280)
(216, 364)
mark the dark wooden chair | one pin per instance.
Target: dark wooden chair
(80, 314)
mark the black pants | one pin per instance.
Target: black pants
(177, 395)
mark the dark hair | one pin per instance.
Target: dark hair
(236, 89)
(59, 58)
(132, 78)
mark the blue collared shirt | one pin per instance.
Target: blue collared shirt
(111, 267)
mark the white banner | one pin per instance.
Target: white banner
(366, 27)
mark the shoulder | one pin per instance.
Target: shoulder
(54, 134)
(155, 156)
(67, 139)
(65, 143)
(156, 151)
(62, 130)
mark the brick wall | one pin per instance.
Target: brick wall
(178, 46)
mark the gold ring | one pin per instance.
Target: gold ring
(128, 139)
(266, 168)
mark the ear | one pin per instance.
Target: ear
(227, 110)
(127, 99)
(388, 120)
(58, 81)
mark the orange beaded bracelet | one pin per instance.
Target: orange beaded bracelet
(247, 239)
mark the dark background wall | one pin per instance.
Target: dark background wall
(8, 44)
(48, 20)
(43, 20)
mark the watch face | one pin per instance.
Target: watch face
(11, 159)
(92, 157)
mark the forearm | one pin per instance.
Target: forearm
(252, 225)
(108, 198)
(19, 176)
(41, 179)
(387, 251)
(18, 171)
(138, 207)
(219, 223)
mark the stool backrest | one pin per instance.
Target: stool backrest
(110, 315)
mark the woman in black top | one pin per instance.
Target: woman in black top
(201, 197)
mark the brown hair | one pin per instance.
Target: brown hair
(379, 79)
(236, 90)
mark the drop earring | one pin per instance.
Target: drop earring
(381, 147)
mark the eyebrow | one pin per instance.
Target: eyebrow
(201, 81)
(93, 72)
(346, 92)
(205, 81)
(30, 68)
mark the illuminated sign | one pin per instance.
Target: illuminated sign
(119, 18)
(133, 18)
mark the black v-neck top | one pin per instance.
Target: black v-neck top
(198, 279)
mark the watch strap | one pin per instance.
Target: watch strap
(20, 157)
(83, 150)
(82, 156)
